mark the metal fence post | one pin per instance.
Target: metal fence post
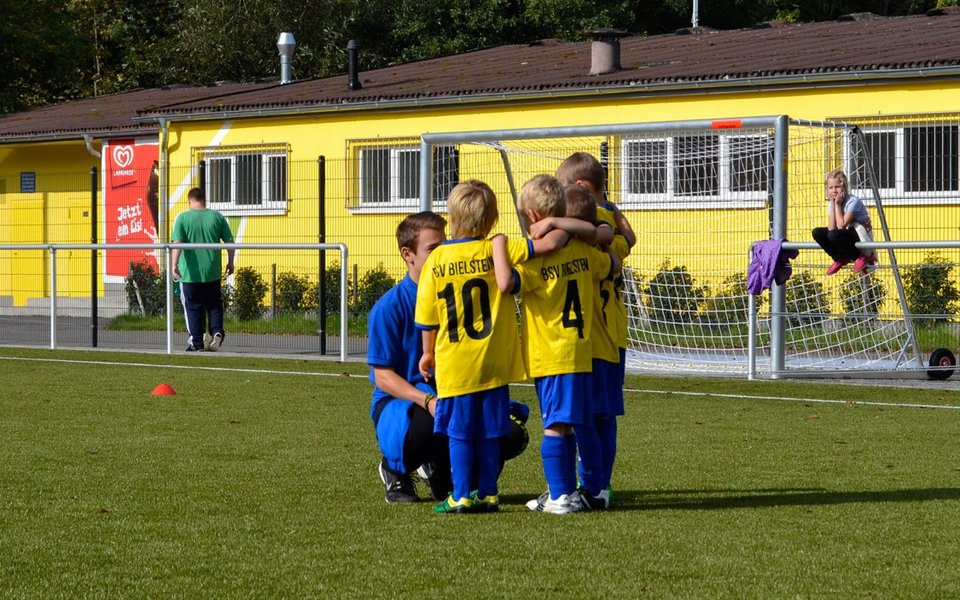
(53, 298)
(322, 238)
(94, 276)
(778, 230)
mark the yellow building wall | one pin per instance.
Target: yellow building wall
(370, 236)
(58, 213)
(63, 169)
(21, 219)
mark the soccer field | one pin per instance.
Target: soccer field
(258, 479)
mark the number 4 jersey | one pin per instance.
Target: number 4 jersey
(478, 346)
(558, 292)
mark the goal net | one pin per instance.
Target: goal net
(697, 195)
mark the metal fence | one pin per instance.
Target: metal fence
(853, 325)
(697, 194)
(147, 314)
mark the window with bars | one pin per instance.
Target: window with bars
(909, 162)
(246, 181)
(682, 171)
(388, 177)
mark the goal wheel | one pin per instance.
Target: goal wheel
(943, 362)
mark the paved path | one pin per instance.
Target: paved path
(75, 332)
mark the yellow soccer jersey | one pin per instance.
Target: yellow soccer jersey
(558, 308)
(605, 346)
(614, 307)
(478, 347)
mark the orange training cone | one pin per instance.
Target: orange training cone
(163, 389)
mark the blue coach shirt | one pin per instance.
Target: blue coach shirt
(393, 341)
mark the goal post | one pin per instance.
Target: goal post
(698, 193)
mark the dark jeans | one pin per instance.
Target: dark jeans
(840, 244)
(199, 301)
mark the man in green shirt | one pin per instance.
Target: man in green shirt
(199, 271)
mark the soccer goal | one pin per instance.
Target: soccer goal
(698, 194)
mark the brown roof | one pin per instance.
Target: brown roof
(111, 114)
(865, 46)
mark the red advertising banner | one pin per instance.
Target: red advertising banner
(130, 202)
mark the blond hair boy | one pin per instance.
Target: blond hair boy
(557, 319)
(466, 321)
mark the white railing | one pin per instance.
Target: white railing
(52, 249)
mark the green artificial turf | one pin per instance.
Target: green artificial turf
(262, 483)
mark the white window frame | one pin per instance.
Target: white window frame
(849, 168)
(899, 194)
(642, 198)
(396, 200)
(231, 207)
(670, 199)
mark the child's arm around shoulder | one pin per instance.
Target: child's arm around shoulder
(577, 228)
(554, 240)
(503, 270)
(605, 235)
(624, 226)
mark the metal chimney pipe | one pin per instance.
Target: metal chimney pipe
(286, 45)
(353, 64)
(605, 51)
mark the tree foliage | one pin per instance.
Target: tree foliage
(40, 54)
(52, 51)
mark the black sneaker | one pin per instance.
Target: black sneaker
(439, 483)
(590, 502)
(399, 487)
(192, 349)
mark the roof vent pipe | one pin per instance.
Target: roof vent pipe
(286, 45)
(605, 51)
(353, 66)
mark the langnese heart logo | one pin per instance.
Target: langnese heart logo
(123, 156)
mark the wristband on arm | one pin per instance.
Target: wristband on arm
(426, 401)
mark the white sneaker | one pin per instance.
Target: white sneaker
(563, 505)
(207, 339)
(537, 503)
(215, 342)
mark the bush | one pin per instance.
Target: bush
(146, 289)
(372, 285)
(293, 292)
(862, 296)
(729, 305)
(246, 297)
(332, 282)
(805, 300)
(671, 295)
(931, 291)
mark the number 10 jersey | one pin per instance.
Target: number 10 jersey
(478, 346)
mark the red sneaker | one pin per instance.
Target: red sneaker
(837, 265)
(860, 264)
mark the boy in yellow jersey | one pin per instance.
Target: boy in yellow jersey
(470, 343)
(606, 368)
(584, 170)
(557, 318)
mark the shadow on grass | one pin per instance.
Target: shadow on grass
(768, 498)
